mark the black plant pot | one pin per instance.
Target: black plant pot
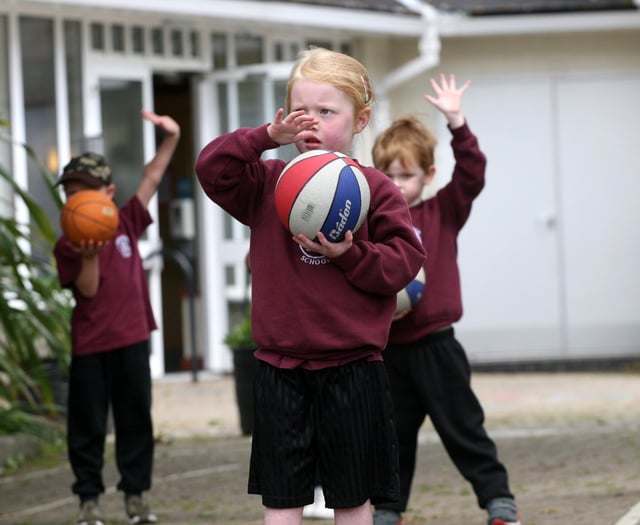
(244, 369)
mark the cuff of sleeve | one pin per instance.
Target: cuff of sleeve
(350, 258)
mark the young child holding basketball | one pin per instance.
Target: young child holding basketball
(321, 311)
(428, 368)
(110, 328)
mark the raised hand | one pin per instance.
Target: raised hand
(164, 122)
(294, 127)
(448, 98)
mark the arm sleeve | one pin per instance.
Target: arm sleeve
(391, 256)
(231, 172)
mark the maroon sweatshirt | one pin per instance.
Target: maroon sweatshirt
(439, 220)
(120, 313)
(307, 310)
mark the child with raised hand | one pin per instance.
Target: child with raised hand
(110, 328)
(428, 369)
(321, 311)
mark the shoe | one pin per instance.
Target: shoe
(317, 510)
(387, 517)
(500, 521)
(138, 511)
(503, 511)
(90, 514)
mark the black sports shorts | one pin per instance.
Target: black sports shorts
(337, 420)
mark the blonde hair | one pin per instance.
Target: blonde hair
(330, 67)
(407, 140)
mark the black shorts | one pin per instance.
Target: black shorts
(336, 423)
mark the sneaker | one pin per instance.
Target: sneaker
(503, 511)
(318, 509)
(386, 517)
(138, 511)
(90, 514)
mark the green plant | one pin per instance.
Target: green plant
(34, 315)
(240, 335)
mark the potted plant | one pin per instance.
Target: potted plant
(242, 346)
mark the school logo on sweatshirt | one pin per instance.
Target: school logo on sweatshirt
(123, 245)
(312, 258)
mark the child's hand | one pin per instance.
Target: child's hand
(324, 247)
(399, 315)
(164, 122)
(294, 127)
(89, 249)
(449, 99)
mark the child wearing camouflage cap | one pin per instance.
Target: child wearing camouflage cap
(110, 327)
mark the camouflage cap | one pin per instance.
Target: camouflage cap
(89, 168)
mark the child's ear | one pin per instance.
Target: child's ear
(429, 175)
(111, 190)
(362, 120)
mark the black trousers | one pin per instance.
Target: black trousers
(432, 377)
(121, 379)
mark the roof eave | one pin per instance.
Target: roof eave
(276, 13)
(453, 25)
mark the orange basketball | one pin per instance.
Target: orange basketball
(89, 215)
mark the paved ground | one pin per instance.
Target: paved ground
(571, 443)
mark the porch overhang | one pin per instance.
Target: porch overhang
(287, 15)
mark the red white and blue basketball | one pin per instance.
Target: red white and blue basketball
(411, 294)
(322, 191)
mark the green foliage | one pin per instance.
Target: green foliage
(240, 335)
(15, 420)
(50, 453)
(34, 316)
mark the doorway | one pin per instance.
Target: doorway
(172, 96)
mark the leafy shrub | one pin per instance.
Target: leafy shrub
(34, 317)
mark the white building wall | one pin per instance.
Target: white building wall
(530, 279)
(548, 255)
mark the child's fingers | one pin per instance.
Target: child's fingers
(464, 86)
(149, 115)
(435, 86)
(430, 99)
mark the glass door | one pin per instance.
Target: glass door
(115, 128)
(246, 97)
(123, 145)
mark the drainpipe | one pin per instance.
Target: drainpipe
(429, 48)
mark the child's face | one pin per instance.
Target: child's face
(410, 180)
(335, 114)
(74, 186)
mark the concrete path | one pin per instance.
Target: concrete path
(512, 401)
(571, 443)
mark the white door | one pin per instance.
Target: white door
(244, 97)
(115, 94)
(598, 142)
(508, 250)
(549, 256)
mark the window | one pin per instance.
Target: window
(72, 46)
(97, 37)
(219, 50)
(36, 39)
(117, 38)
(177, 46)
(137, 40)
(194, 39)
(248, 49)
(157, 41)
